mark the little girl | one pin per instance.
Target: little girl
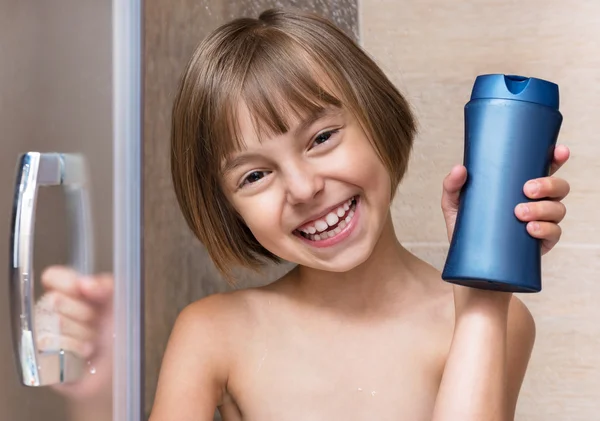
(288, 144)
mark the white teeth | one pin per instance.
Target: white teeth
(332, 219)
(321, 225)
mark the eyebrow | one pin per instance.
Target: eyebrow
(316, 116)
(238, 161)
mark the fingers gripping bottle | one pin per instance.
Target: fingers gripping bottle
(511, 127)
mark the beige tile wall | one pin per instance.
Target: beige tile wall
(433, 50)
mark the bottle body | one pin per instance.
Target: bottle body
(507, 143)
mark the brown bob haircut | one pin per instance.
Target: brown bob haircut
(272, 64)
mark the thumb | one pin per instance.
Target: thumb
(98, 289)
(452, 185)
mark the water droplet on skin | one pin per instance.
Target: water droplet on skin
(360, 389)
(373, 393)
(92, 370)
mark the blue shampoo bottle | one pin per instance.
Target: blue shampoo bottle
(511, 127)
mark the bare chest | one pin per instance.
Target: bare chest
(383, 375)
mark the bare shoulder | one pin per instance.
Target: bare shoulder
(520, 340)
(521, 324)
(224, 317)
(221, 322)
(198, 358)
(440, 296)
(215, 312)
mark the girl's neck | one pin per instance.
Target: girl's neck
(386, 276)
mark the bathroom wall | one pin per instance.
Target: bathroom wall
(177, 269)
(433, 50)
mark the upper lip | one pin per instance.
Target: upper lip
(322, 214)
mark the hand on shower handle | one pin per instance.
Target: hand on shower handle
(75, 314)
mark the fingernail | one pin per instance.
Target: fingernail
(535, 227)
(524, 210)
(533, 187)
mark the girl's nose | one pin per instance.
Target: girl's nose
(303, 184)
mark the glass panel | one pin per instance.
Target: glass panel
(56, 114)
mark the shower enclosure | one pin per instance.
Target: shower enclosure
(86, 89)
(70, 91)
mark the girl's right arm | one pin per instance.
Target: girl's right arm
(493, 338)
(194, 370)
(494, 332)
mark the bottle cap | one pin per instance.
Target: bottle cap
(518, 88)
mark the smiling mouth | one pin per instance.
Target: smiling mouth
(331, 224)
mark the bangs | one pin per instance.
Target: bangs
(267, 75)
(279, 90)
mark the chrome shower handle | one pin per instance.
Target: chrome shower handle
(35, 170)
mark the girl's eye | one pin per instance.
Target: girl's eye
(253, 177)
(325, 136)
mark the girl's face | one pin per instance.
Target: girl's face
(317, 195)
